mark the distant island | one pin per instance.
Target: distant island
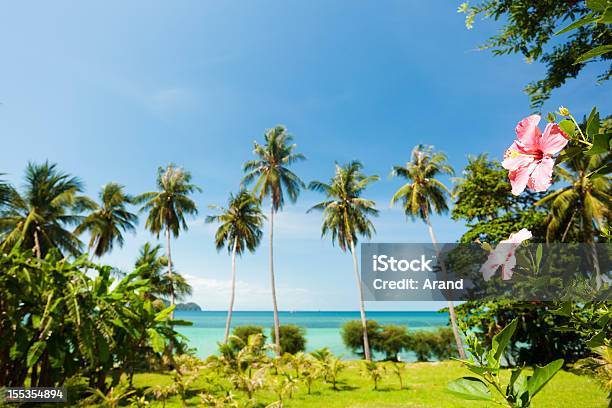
(186, 307)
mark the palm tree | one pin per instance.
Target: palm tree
(423, 195)
(39, 218)
(168, 207)
(240, 229)
(151, 265)
(582, 207)
(271, 169)
(346, 217)
(108, 220)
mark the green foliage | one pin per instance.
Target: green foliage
(427, 344)
(241, 335)
(521, 388)
(330, 366)
(500, 228)
(40, 217)
(423, 194)
(292, 338)
(271, 168)
(240, 223)
(345, 212)
(108, 220)
(391, 340)
(352, 334)
(153, 266)
(483, 192)
(530, 28)
(50, 303)
(375, 371)
(536, 340)
(581, 209)
(484, 199)
(168, 206)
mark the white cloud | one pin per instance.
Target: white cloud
(213, 294)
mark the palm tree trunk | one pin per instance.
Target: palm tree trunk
(364, 322)
(228, 323)
(37, 250)
(169, 256)
(273, 285)
(451, 307)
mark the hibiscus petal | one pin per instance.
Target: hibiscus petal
(520, 177)
(553, 140)
(541, 177)
(519, 236)
(515, 158)
(527, 131)
(507, 268)
(489, 268)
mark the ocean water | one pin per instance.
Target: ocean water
(322, 328)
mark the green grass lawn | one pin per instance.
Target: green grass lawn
(424, 383)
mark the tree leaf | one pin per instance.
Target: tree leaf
(589, 18)
(35, 352)
(606, 17)
(597, 5)
(592, 126)
(539, 256)
(163, 315)
(601, 144)
(156, 340)
(568, 127)
(541, 375)
(501, 339)
(569, 153)
(597, 340)
(470, 388)
(595, 52)
(601, 171)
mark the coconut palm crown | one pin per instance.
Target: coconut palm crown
(240, 223)
(40, 217)
(345, 213)
(423, 194)
(152, 265)
(270, 170)
(108, 220)
(168, 206)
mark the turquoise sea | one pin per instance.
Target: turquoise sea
(322, 328)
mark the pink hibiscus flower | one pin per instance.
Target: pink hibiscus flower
(504, 255)
(529, 159)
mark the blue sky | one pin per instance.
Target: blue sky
(112, 90)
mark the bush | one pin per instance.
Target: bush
(439, 344)
(391, 340)
(352, 335)
(243, 333)
(292, 338)
(445, 346)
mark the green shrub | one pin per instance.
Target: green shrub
(292, 338)
(445, 346)
(352, 335)
(243, 333)
(439, 344)
(391, 340)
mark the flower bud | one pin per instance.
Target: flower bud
(564, 111)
